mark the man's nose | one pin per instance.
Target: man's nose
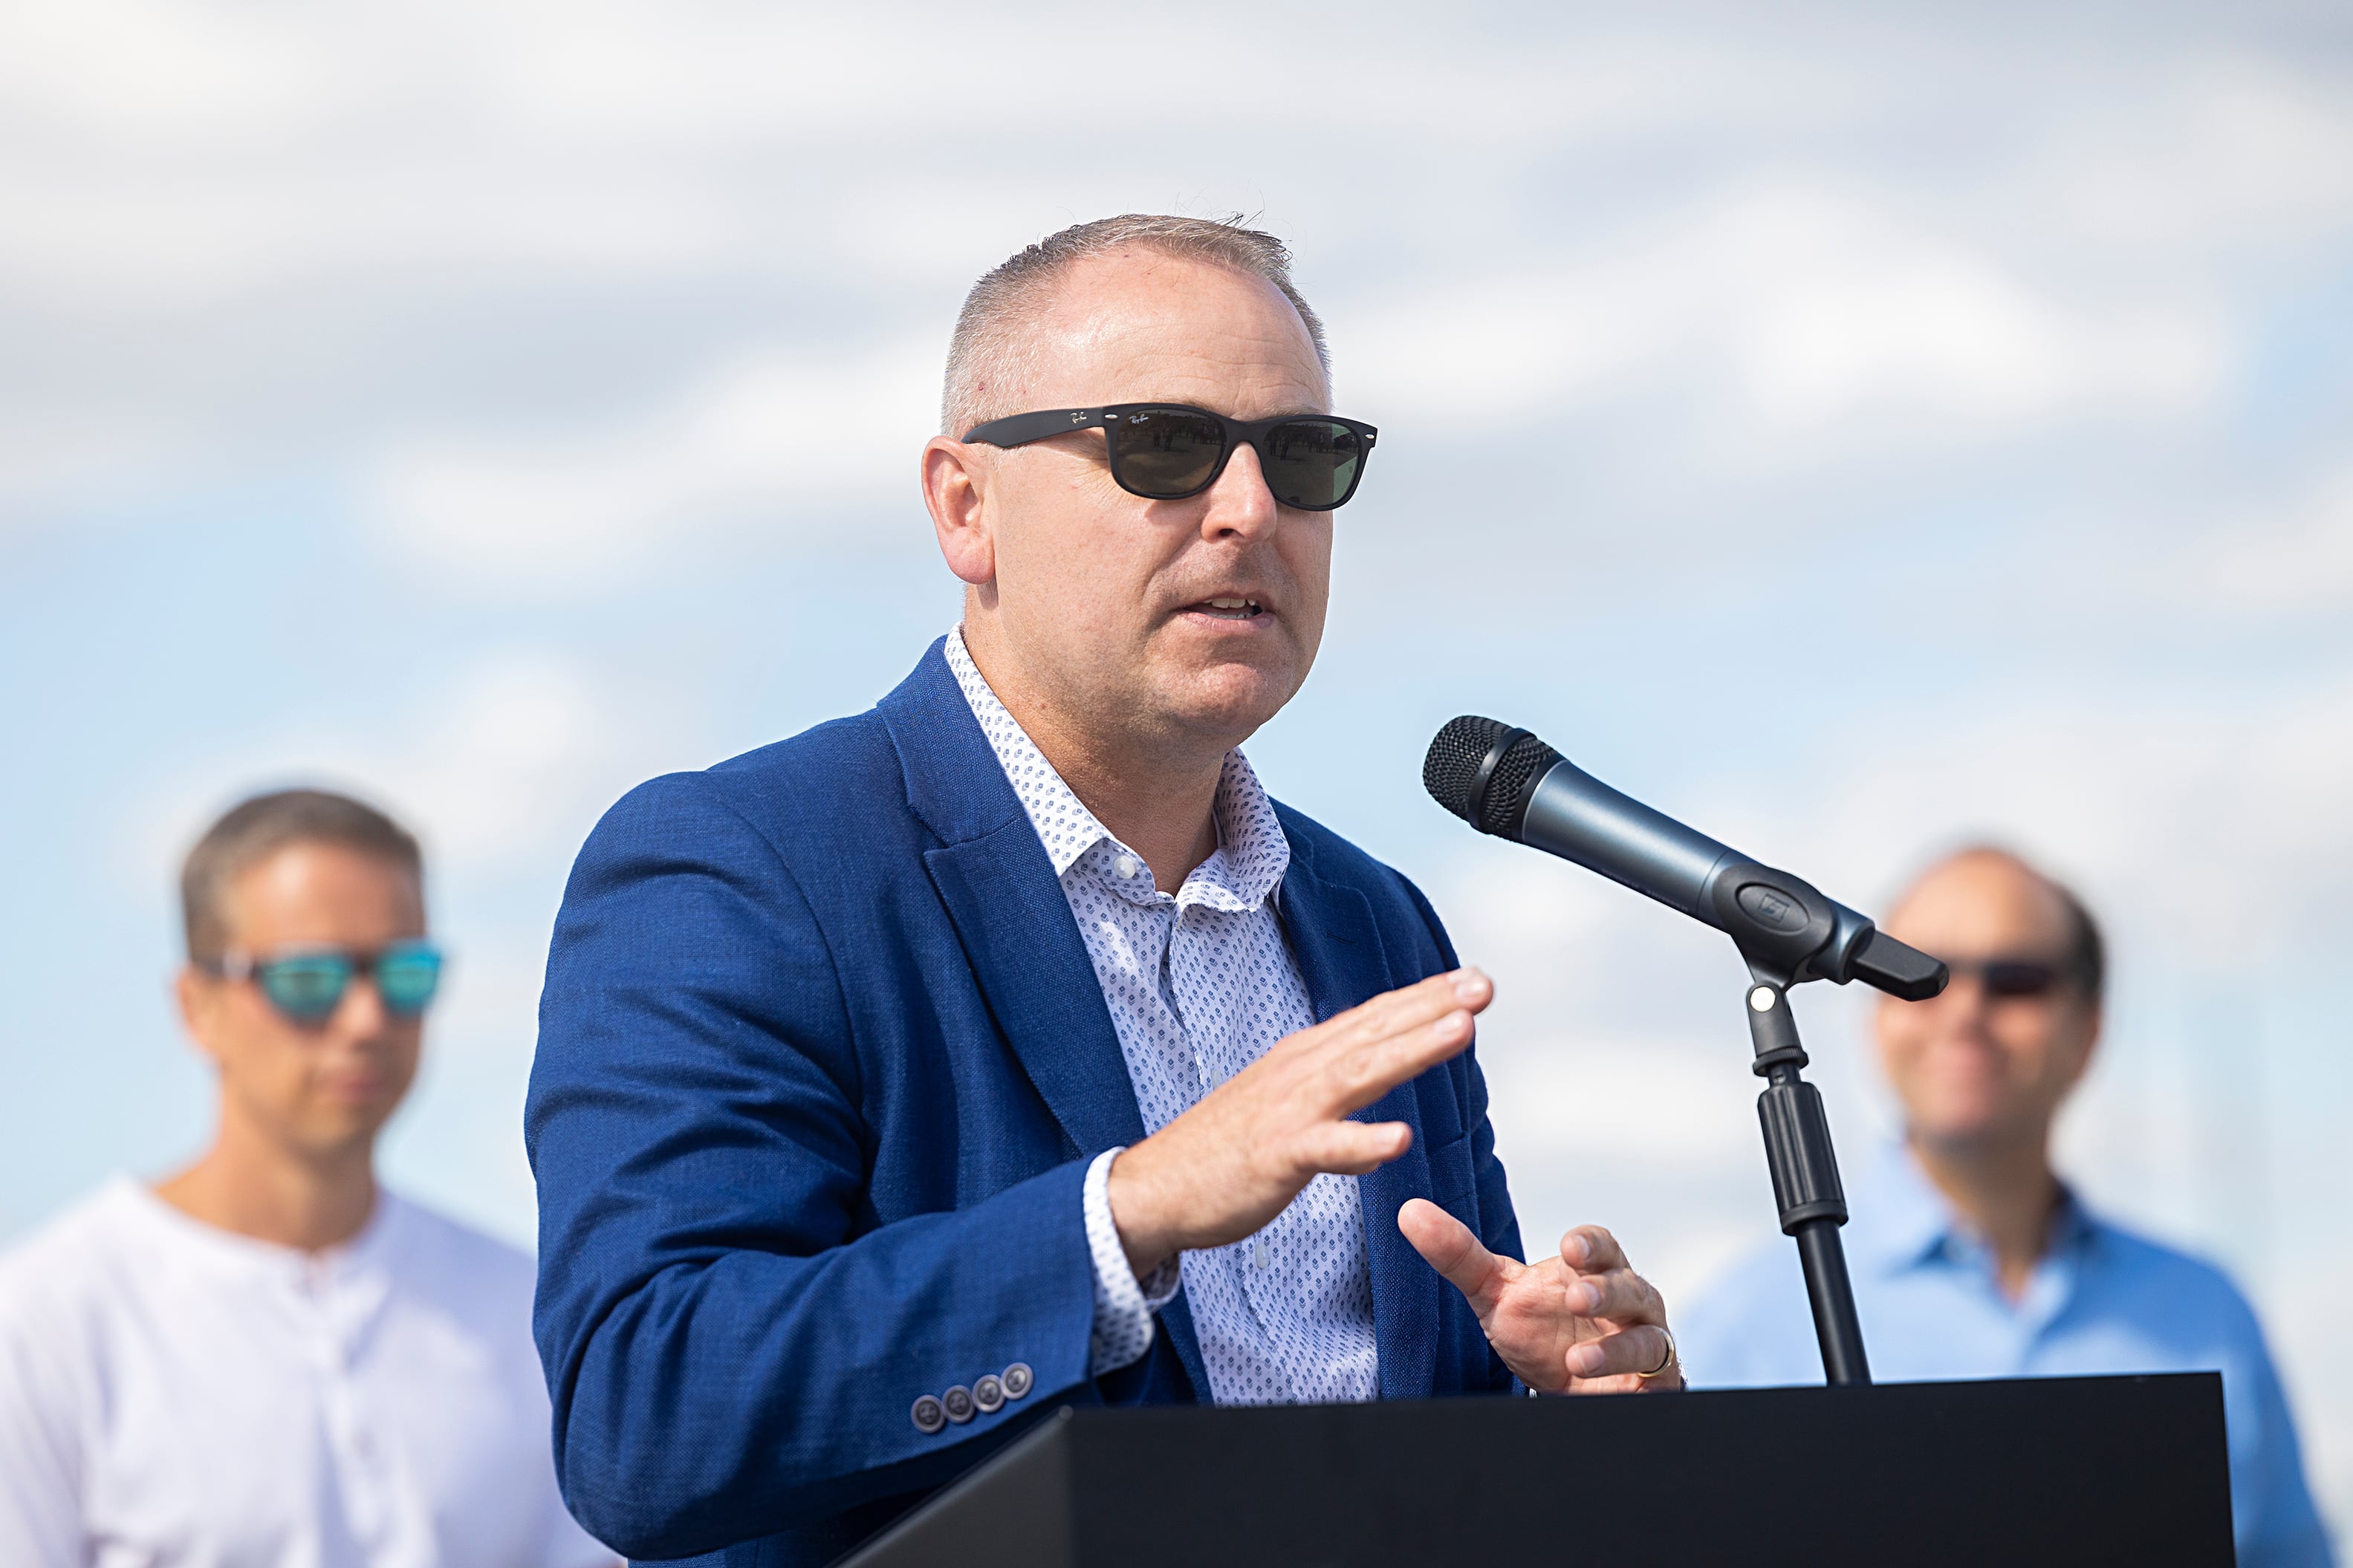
(1963, 998)
(1240, 505)
(361, 1014)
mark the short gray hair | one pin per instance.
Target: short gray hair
(990, 349)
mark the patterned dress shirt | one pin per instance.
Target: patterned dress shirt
(1199, 984)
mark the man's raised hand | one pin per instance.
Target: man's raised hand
(1580, 1322)
(1228, 1166)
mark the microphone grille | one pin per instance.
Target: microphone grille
(1456, 755)
(1499, 808)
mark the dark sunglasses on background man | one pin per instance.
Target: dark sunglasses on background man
(2013, 977)
(1166, 451)
(307, 984)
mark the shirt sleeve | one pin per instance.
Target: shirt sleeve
(40, 1509)
(2277, 1525)
(1124, 1304)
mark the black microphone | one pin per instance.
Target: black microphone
(1506, 782)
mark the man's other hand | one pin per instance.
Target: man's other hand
(1582, 1322)
(1232, 1162)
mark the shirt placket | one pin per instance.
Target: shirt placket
(1205, 945)
(331, 1320)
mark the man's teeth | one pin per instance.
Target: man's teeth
(1232, 609)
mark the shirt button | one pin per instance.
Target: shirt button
(1258, 1254)
(1126, 867)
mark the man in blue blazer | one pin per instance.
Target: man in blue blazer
(887, 1098)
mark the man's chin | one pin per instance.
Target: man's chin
(334, 1130)
(1973, 1130)
(1226, 702)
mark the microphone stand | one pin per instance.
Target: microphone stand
(1805, 1175)
(1789, 933)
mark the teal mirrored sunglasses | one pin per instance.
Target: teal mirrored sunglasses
(307, 984)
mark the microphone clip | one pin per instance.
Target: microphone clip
(1789, 933)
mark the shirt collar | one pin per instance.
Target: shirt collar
(366, 1253)
(1905, 1220)
(1252, 850)
(1908, 1222)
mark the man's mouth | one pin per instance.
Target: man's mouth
(1228, 609)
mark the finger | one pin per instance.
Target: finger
(1363, 1076)
(1589, 1250)
(1351, 1148)
(1397, 1012)
(1628, 1352)
(1454, 1250)
(1620, 1295)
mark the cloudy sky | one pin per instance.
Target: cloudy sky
(1854, 429)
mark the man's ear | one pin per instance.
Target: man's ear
(198, 994)
(2086, 1039)
(956, 492)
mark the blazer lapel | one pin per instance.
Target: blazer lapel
(1032, 966)
(1009, 911)
(1342, 962)
(1000, 892)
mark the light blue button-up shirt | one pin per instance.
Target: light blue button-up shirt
(2101, 1300)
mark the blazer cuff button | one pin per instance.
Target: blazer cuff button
(957, 1403)
(1017, 1378)
(988, 1393)
(927, 1415)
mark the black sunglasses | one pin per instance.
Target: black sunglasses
(1166, 451)
(2012, 977)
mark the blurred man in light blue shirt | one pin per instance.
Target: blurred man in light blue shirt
(1970, 1257)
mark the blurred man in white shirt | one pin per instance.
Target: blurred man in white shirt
(267, 1360)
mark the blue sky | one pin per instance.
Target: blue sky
(1855, 432)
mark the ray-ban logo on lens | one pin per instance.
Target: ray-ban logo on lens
(1771, 906)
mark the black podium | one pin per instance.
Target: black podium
(2070, 1471)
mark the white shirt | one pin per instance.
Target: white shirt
(1199, 984)
(173, 1395)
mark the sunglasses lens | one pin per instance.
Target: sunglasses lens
(1165, 453)
(307, 989)
(2020, 979)
(1312, 463)
(406, 978)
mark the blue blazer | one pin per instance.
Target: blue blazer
(822, 1062)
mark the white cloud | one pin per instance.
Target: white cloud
(509, 760)
(769, 443)
(137, 69)
(2299, 559)
(1786, 309)
(2217, 153)
(501, 767)
(2207, 830)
